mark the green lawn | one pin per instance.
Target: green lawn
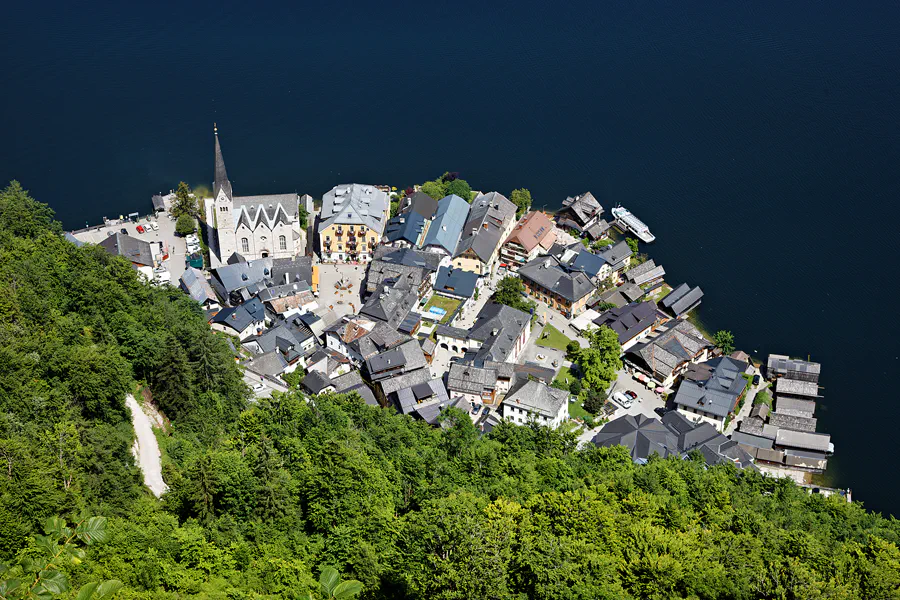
(551, 337)
(448, 304)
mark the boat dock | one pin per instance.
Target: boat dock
(628, 222)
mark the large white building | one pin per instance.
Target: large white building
(253, 226)
(536, 401)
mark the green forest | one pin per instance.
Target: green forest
(267, 496)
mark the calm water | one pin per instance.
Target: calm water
(758, 140)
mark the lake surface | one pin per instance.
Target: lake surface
(760, 141)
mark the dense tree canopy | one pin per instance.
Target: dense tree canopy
(522, 199)
(510, 291)
(273, 499)
(724, 341)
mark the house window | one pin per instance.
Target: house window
(282, 242)
(245, 245)
(223, 209)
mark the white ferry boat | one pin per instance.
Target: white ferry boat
(633, 224)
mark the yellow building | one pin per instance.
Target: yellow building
(352, 222)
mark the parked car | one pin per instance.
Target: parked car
(485, 410)
(623, 400)
(110, 233)
(140, 229)
(259, 387)
(660, 410)
(756, 380)
(631, 394)
(123, 231)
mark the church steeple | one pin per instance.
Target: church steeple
(222, 182)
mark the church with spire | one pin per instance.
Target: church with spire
(253, 227)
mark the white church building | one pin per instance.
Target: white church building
(253, 226)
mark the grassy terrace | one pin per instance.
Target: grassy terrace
(448, 304)
(576, 411)
(551, 337)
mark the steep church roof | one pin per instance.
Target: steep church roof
(222, 181)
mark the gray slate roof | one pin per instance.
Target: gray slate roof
(677, 344)
(796, 387)
(406, 227)
(409, 257)
(817, 442)
(194, 283)
(628, 321)
(497, 327)
(470, 379)
(794, 406)
(622, 295)
(538, 398)
(239, 317)
(242, 274)
(785, 421)
(392, 384)
(456, 282)
(616, 254)
(271, 363)
(713, 386)
(355, 204)
(642, 436)
(409, 398)
(401, 359)
(447, 225)
(483, 231)
(549, 273)
(782, 365)
(421, 204)
(135, 250)
(392, 301)
(583, 207)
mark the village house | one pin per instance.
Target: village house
(534, 235)
(352, 222)
(316, 383)
(667, 354)
(711, 390)
(389, 370)
(458, 284)
(419, 203)
(444, 232)
(536, 402)
(480, 385)
(580, 213)
(406, 231)
(254, 226)
(499, 334)
(632, 322)
(548, 280)
(195, 285)
(490, 221)
(675, 435)
(359, 338)
(421, 401)
(141, 254)
(621, 295)
(392, 264)
(241, 321)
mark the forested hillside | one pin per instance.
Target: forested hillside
(264, 496)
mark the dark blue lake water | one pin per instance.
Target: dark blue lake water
(758, 140)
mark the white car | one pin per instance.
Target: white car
(259, 387)
(623, 400)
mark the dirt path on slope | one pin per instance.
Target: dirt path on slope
(146, 449)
